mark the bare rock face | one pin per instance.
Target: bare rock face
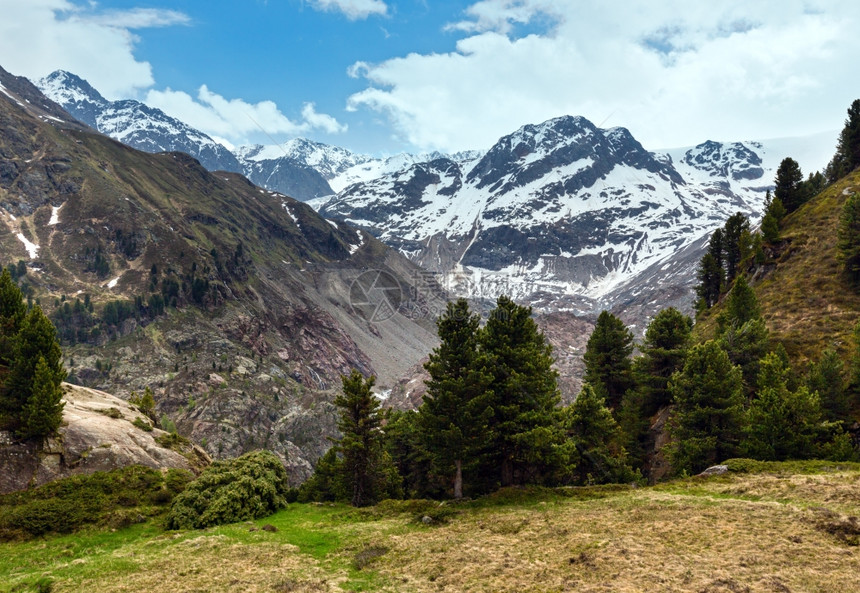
(97, 434)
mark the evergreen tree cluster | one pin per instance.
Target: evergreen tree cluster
(491, 418)
(736, 395)
(31, 371)
(728, 249)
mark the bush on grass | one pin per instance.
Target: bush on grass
(248, 487)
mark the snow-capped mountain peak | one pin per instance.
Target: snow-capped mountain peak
(560, 213)
(74, 94)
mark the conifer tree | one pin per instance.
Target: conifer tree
(746, 346)
(327, 484)
(741, 304)
(608, 367)
(770, 228)
(711, 278)
(847, 156)
(707, 422)
(43, 411)
(360, 420)
(404, 441)
(601, 457)
(825, 378)
(527, 435)
(716, 247)
(12, 312)
(664, 350)
(788, 185)
(782, 424)
(848, 236)
(36, 338)
(774, 212)
(733, 246)
(454, 415)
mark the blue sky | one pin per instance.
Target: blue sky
(384, 76)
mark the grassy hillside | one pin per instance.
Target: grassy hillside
(783, 527)
(805, 298)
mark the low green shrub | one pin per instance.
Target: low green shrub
(142, 424)
(116, 498)
(248, 487)
(173, 441)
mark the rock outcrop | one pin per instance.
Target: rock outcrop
(100, 432)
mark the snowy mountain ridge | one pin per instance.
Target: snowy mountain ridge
(561, 214)
(134, 123)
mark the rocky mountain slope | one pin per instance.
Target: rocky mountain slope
(240, 307)
(563, 215)
(98, 434)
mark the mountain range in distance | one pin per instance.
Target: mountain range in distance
(562, 215)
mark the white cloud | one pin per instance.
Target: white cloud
(321, 121)
(40, 36)
(674, 72)
(234, 120)
(352, 9)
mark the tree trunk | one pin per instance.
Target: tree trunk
(458, 479)
(507, 472)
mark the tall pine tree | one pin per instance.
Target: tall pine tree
(847, 157)
(788, 185)
(600, 454)
(527, 436)
(455, 413)
(707, 422)
(366, 467)
(608, 367)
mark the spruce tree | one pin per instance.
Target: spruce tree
(454, 415)
(737, 225)
(848, 236)
(608, 367)
(825, 378)
(525, 424)
(847, 156)
(600, 457)
(664, 350)
(707, 421)
(360, 444)
(788, 187)
(781, 424)
(43, 411)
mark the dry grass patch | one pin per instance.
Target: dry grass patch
(756, 532)
(215, 563)
(641, 541)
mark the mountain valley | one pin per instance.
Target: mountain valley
(231, 302)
